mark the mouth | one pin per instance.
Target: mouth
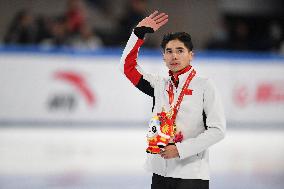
(174, 64)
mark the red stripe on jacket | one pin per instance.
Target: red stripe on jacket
(130, 64)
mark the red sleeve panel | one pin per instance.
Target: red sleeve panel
(131, 62)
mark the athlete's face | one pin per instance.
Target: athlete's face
(176, 55)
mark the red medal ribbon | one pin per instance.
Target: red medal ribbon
(175, 80)
(171, 93)
(184, 91)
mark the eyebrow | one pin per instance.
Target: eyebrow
(178, 48)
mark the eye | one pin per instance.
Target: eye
(154, 129)
(180, 51)
(168, 51)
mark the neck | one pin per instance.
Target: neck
(175, 75)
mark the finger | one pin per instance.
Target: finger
(158, 16)
(164, 156)
(161, 19)
(162, 23)
(167, 157)
(162, 152)
(153, 14)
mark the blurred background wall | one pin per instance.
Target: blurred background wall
(69, 118)
(218, 24)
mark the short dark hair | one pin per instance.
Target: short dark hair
(181, 36)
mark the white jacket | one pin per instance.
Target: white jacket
(193, 161)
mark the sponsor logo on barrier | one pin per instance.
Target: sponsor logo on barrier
(62, 101)
(241, 95)
(270, 92)
(68, 101)
(262, 94)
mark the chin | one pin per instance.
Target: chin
(175, 70)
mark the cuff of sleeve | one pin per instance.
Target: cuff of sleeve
(180, 150)
(141, 31)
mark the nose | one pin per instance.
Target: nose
(174, 54)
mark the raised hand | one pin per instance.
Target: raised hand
(154, 20)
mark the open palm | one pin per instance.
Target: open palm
(154, 20)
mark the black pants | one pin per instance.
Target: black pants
(160, 182)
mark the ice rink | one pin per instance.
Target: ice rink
(113, 156)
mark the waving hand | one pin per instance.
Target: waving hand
(154, 20)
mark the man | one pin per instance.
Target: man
(194, 102)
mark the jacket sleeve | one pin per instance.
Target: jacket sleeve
(215, 123)
(128, 65)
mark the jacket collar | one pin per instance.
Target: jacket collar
(175, 75)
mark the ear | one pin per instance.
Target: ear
(191, 55)
(163, 56)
